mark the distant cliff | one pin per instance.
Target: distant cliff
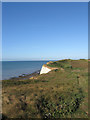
(45, 69)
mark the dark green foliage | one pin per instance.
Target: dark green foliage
(62, 108)
(63, 64)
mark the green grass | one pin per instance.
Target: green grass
(62, 64)
(58, 94)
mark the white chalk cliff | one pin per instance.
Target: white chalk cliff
(45, 69)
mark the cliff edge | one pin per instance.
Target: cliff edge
(45, 69)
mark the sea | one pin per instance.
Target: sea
(16, 68)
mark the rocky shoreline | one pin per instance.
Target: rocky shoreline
(25, 76)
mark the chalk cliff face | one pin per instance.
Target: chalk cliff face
(44, 70)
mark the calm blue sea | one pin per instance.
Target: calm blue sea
(16, 68)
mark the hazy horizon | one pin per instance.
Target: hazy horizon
(43, 60)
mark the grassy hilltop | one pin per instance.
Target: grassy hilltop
(61, 93)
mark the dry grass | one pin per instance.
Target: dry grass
(54, 95)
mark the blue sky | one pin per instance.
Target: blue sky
(44, 31)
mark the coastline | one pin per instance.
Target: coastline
(25, 76)
(48, 93)
(20, 68)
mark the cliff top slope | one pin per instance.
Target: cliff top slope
(58, 94)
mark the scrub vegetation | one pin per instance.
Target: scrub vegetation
(61, 93)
